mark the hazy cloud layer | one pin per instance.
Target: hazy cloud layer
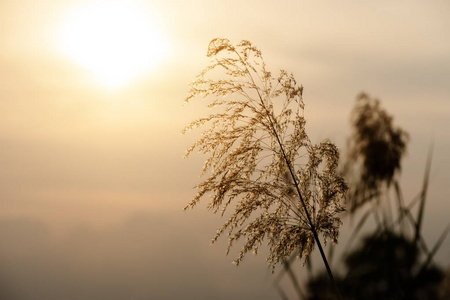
(148, 256)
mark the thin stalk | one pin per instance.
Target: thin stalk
(400, 206)
(313, 228)
(292, 173)
(434, 250)
(294, 280)
(281, 292)
(423, 194)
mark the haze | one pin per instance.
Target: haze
(93, 180)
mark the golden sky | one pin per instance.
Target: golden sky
(91, 111)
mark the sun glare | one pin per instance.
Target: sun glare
(116, 41)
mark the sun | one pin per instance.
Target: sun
(116, 41)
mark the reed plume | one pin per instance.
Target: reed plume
(285, 189)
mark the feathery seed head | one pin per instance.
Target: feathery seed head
(260, 157)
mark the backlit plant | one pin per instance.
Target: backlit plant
(285, 190)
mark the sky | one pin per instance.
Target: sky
(93, 180)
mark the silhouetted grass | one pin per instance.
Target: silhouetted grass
(394, 261)
(287, 190)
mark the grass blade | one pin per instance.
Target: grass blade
(423, 194)
(294, 280)
(355, 232)
(435, 249)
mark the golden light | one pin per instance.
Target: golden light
(116, 41)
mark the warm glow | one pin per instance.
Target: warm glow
(116, 41)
